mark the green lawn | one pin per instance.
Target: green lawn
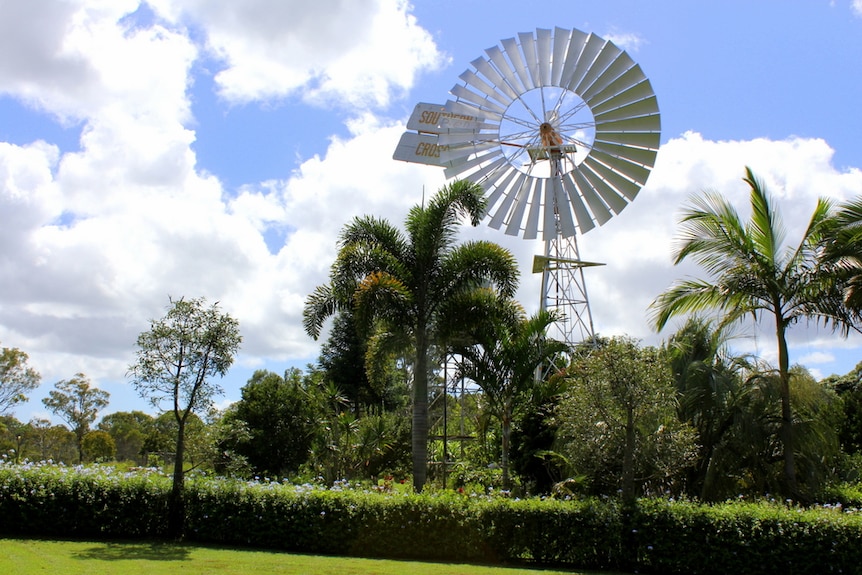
(28, 556)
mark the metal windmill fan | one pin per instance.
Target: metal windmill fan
(561, 128)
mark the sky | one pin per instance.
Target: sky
(160, 149)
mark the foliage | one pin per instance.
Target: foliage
(16, 377)
(752, 272)
(78, 404)
(176, 361)
(654, 535)
(398, 287)
(618, 423)
(278, 418)
(502, 350)
(129, 429)
(98, 446)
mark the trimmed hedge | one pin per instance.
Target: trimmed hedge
(656, 536)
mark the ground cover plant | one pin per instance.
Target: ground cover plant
(652, 535)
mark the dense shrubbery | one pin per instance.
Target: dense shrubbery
(655, 536)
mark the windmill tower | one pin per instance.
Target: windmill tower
(561, 128)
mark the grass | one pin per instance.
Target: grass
(29, 556)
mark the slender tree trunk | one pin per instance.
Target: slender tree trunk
(176, 502)
(504, 458)
(628, 486)
(786, 410)
(420, 412)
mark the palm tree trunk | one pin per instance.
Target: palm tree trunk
(786, 410)
(507, 433)
(420, 413)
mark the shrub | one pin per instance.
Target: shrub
(651, 536)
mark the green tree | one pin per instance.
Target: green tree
(618, 420)
(176, 361)
(16, 378)
(129, 430)
(98, 446)
(78, 404)
(711, 385)
(502, 351)
(399, 286)
(753, 273)
(279, 419)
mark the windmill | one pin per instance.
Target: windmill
(561, 128)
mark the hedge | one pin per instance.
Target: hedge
(654, 536)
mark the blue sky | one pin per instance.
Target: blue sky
(210, 148)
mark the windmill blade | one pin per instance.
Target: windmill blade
(625, 186)
(496, 188)
(468, 109)
(531, 60)
(606, 55)
(531, 229)
(510, 46)
(482, 102)
(593, 46)
(543, 54)
(577, 43)
(503, 66)
(599, 210)
(637, 139)
(635, 172)
(631, 86)
(639, 124)
(525, 192)
(585, 221)
(609, 196)
(644, 107)
(558, 59)
(474, 81)
(494, 77)
(621, 64)
(499, 217)
(640, 156)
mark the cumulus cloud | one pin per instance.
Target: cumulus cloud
(93, 241)
(342, 52)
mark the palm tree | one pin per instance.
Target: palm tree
(501, 350)
(711, 386)
(752, 273)
(399, 286)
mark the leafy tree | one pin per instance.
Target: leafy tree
(502, 351)
(398, 286)
(50, 442)
(16, 378)
(176, 361)
(99, 446)
(78, 404)
(711, 385)
(342, 358)
(279, 419)
(849, 389)
(753, 273)
(129, 430)
(618, 424)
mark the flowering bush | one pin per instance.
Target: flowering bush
(656, 535)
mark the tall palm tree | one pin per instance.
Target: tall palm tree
(398, 286)
(753, 273)
(501, 350)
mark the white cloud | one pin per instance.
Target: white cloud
(857, 7)
(347, 52)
